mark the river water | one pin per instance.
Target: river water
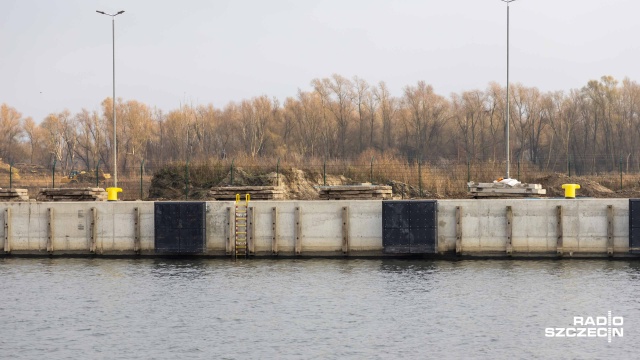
(313, 309)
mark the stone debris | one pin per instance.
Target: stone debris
(14, 195)
(255, 192)
(72, 194)
(356, 192)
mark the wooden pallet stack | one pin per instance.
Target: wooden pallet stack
(503, 190)
(14, 195)
(355, 192)
(72, 194)
(255, 192)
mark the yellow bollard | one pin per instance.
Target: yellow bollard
(570, 190)
(112, 193)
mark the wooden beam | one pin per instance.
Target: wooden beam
(229, 233)
(50, 230)
(298, 232)
(93, 231)
(136, 238)
(509, 230)
(274, 230)
(610, 230)
(251, 243)
(7, 230)
(559, 231)
(345, 230)
(458, 230)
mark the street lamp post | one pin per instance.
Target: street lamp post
(507, 122)
(115, 151)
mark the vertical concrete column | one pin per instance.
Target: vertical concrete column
(136, 223)
(559, 231)
(298, 231)
(50, 230)
(458, 230)
(7, 230)
(251, 220)
(610, 230)
(274, 230)
(93, 230)
(345, 230)
(509, 230)
(229, 232)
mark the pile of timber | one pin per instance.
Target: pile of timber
(497, 189)
(14, 195)
(356, 192)
(255, 192)
(72, 194)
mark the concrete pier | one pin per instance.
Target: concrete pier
(486, 228)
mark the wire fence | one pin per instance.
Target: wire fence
(410, 179)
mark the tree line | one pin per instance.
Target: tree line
(592, 129)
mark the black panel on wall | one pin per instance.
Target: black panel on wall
(410, 227)
(179, 227)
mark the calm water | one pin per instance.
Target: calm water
(312, 309)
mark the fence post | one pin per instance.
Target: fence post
(518, 168)
(53, 174)
(97, 174)
(371, 172)
(324, 173)
(278, 172)
(232, 171)
(620, 172)
(569, 165)
(420, 177)
(11, 175)
(141, 167)
(468, 170)
(186, 183)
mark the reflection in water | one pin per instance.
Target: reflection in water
(202, 308)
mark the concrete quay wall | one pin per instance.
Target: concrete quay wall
(504, 227)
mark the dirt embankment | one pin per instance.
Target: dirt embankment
(169, 183)
(297, 184)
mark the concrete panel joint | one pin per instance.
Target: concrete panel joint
(7, 230)
(50, 230)
(559, 231)
(274, 230)
(509, 230)
(610, 230)
(298, 232)
(345, 230)
(458, 230)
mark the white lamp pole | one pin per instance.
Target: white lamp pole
(115, 151)
(507, 123)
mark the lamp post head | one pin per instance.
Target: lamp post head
(122, 11)
(100, 12)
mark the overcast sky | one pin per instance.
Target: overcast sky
(57, 55)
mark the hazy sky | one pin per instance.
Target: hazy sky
(57, 54)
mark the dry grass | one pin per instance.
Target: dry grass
(439, 179)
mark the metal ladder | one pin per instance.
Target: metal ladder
(241, 244)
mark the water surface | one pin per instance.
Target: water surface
(312, 309)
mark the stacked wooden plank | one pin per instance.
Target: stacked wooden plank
(355, 192)
(72, 194)
(14, 195)
(497, 189)
(255, 192)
